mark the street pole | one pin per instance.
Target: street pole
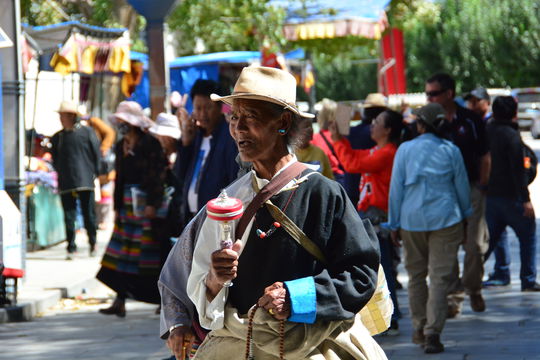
(13, 88)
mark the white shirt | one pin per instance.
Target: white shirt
(193, 196)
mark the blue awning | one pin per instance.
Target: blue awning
(231, 57)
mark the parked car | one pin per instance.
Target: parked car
(528, 109)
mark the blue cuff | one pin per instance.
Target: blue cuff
(303, 300)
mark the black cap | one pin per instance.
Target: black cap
(479, 93)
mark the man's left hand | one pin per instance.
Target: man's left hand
(149, 212)
(275, 301)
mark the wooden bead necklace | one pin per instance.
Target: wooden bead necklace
(249, 337)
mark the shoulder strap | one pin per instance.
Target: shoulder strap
(295, 232)
(331, 147)
(269, 190)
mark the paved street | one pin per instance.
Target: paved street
(508, 330)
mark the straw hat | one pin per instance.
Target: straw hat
(166, 125)
(266, 84)
(67, 106)
(132, 113)
(375, 100)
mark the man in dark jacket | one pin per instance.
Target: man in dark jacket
(205, 162)
(75, 154)
(467, 131)
(508, 201)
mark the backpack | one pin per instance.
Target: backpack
(530, 163)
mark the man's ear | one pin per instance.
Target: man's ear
(286, 120)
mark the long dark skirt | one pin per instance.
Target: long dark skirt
(133, 258)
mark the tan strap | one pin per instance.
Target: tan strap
(296, 233)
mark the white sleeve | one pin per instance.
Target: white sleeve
(211, 314)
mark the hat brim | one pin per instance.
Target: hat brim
(229, 99)
(143, 123)
(165, 131)
(69, 112)
(365, 106)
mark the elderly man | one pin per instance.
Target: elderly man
(75, 153)
(205, 162)
(320, 260)
(467, 131)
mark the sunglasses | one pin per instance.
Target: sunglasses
(435, 92)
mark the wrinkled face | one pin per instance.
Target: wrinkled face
(206, 112)
(254, 126)
(379, 131)
(67, 119)
(436, 94)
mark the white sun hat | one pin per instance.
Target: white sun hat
(166, 125)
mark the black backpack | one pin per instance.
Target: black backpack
(530, 162)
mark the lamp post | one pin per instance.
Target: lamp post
(155, 13)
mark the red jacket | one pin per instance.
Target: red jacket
(375, 165)
(319, 141)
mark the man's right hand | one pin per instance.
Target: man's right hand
(528, 210)
(186, 122)
(222, 269)
(180, 341)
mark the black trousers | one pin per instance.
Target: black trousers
(87, 203)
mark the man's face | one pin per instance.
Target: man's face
(435, 93)
(206, 112)
(479, 106)
(67, 119)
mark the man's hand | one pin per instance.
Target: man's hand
(396, 240)
(180, 341)
(149, 212)
(186, 122)
(222, 269)
(528, 210)
(275, 301)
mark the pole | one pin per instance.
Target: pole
(13, 88)
(156, 67)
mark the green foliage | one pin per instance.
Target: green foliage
(479, 42)
(226, 25)
(37, 13)
(346, 76)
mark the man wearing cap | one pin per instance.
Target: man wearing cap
(206, 155)
(479, 101)
(75, 153)
(467, 131)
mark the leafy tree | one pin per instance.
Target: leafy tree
(226, 25)
(479, 42)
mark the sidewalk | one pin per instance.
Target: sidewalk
(50, 277)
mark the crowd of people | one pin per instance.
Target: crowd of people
(321, 212)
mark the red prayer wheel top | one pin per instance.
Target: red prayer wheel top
(224, 208)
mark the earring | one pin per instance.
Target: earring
(282, 131)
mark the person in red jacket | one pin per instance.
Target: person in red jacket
(375, 165)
